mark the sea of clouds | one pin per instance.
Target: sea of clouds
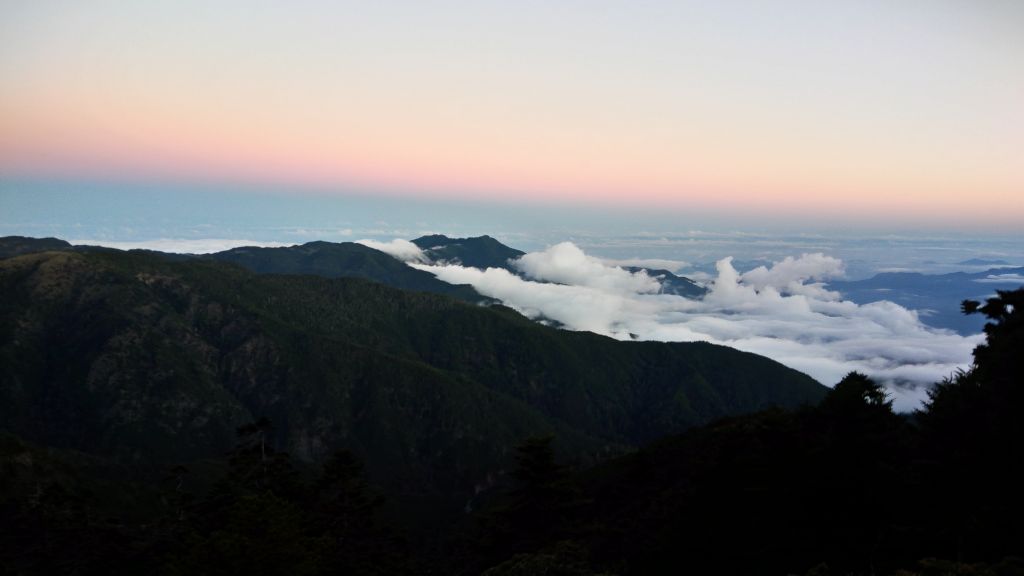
(784, 311)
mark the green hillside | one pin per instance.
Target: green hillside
(131, 356)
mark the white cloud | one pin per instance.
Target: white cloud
(791, 275)
(780, 312)
(565, 263)
(401, 249)
(182, 246)
(1002, 279)
(578, 307)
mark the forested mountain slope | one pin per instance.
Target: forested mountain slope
(135, 357)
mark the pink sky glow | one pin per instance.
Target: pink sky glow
(793, 112)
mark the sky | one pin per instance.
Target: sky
(911, 113)
(763, 148)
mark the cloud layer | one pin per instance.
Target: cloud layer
(401, 249)
(565, 263)
(1002, 279)
(782, 312)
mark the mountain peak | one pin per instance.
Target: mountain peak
(432, 240)
(477, 252)
(17, 245)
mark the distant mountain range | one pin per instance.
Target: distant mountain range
(936, 297)
(984, 262)
(143, 357)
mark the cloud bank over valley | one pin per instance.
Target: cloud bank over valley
(401, 249)
(783, 311)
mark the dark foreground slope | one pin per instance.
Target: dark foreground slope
(844, 488)
(132, 356)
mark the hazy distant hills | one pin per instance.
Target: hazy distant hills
(984, 262)
(140, 358)
(936, 297)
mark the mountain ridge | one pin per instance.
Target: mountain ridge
(477, 252)
(132, 356)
